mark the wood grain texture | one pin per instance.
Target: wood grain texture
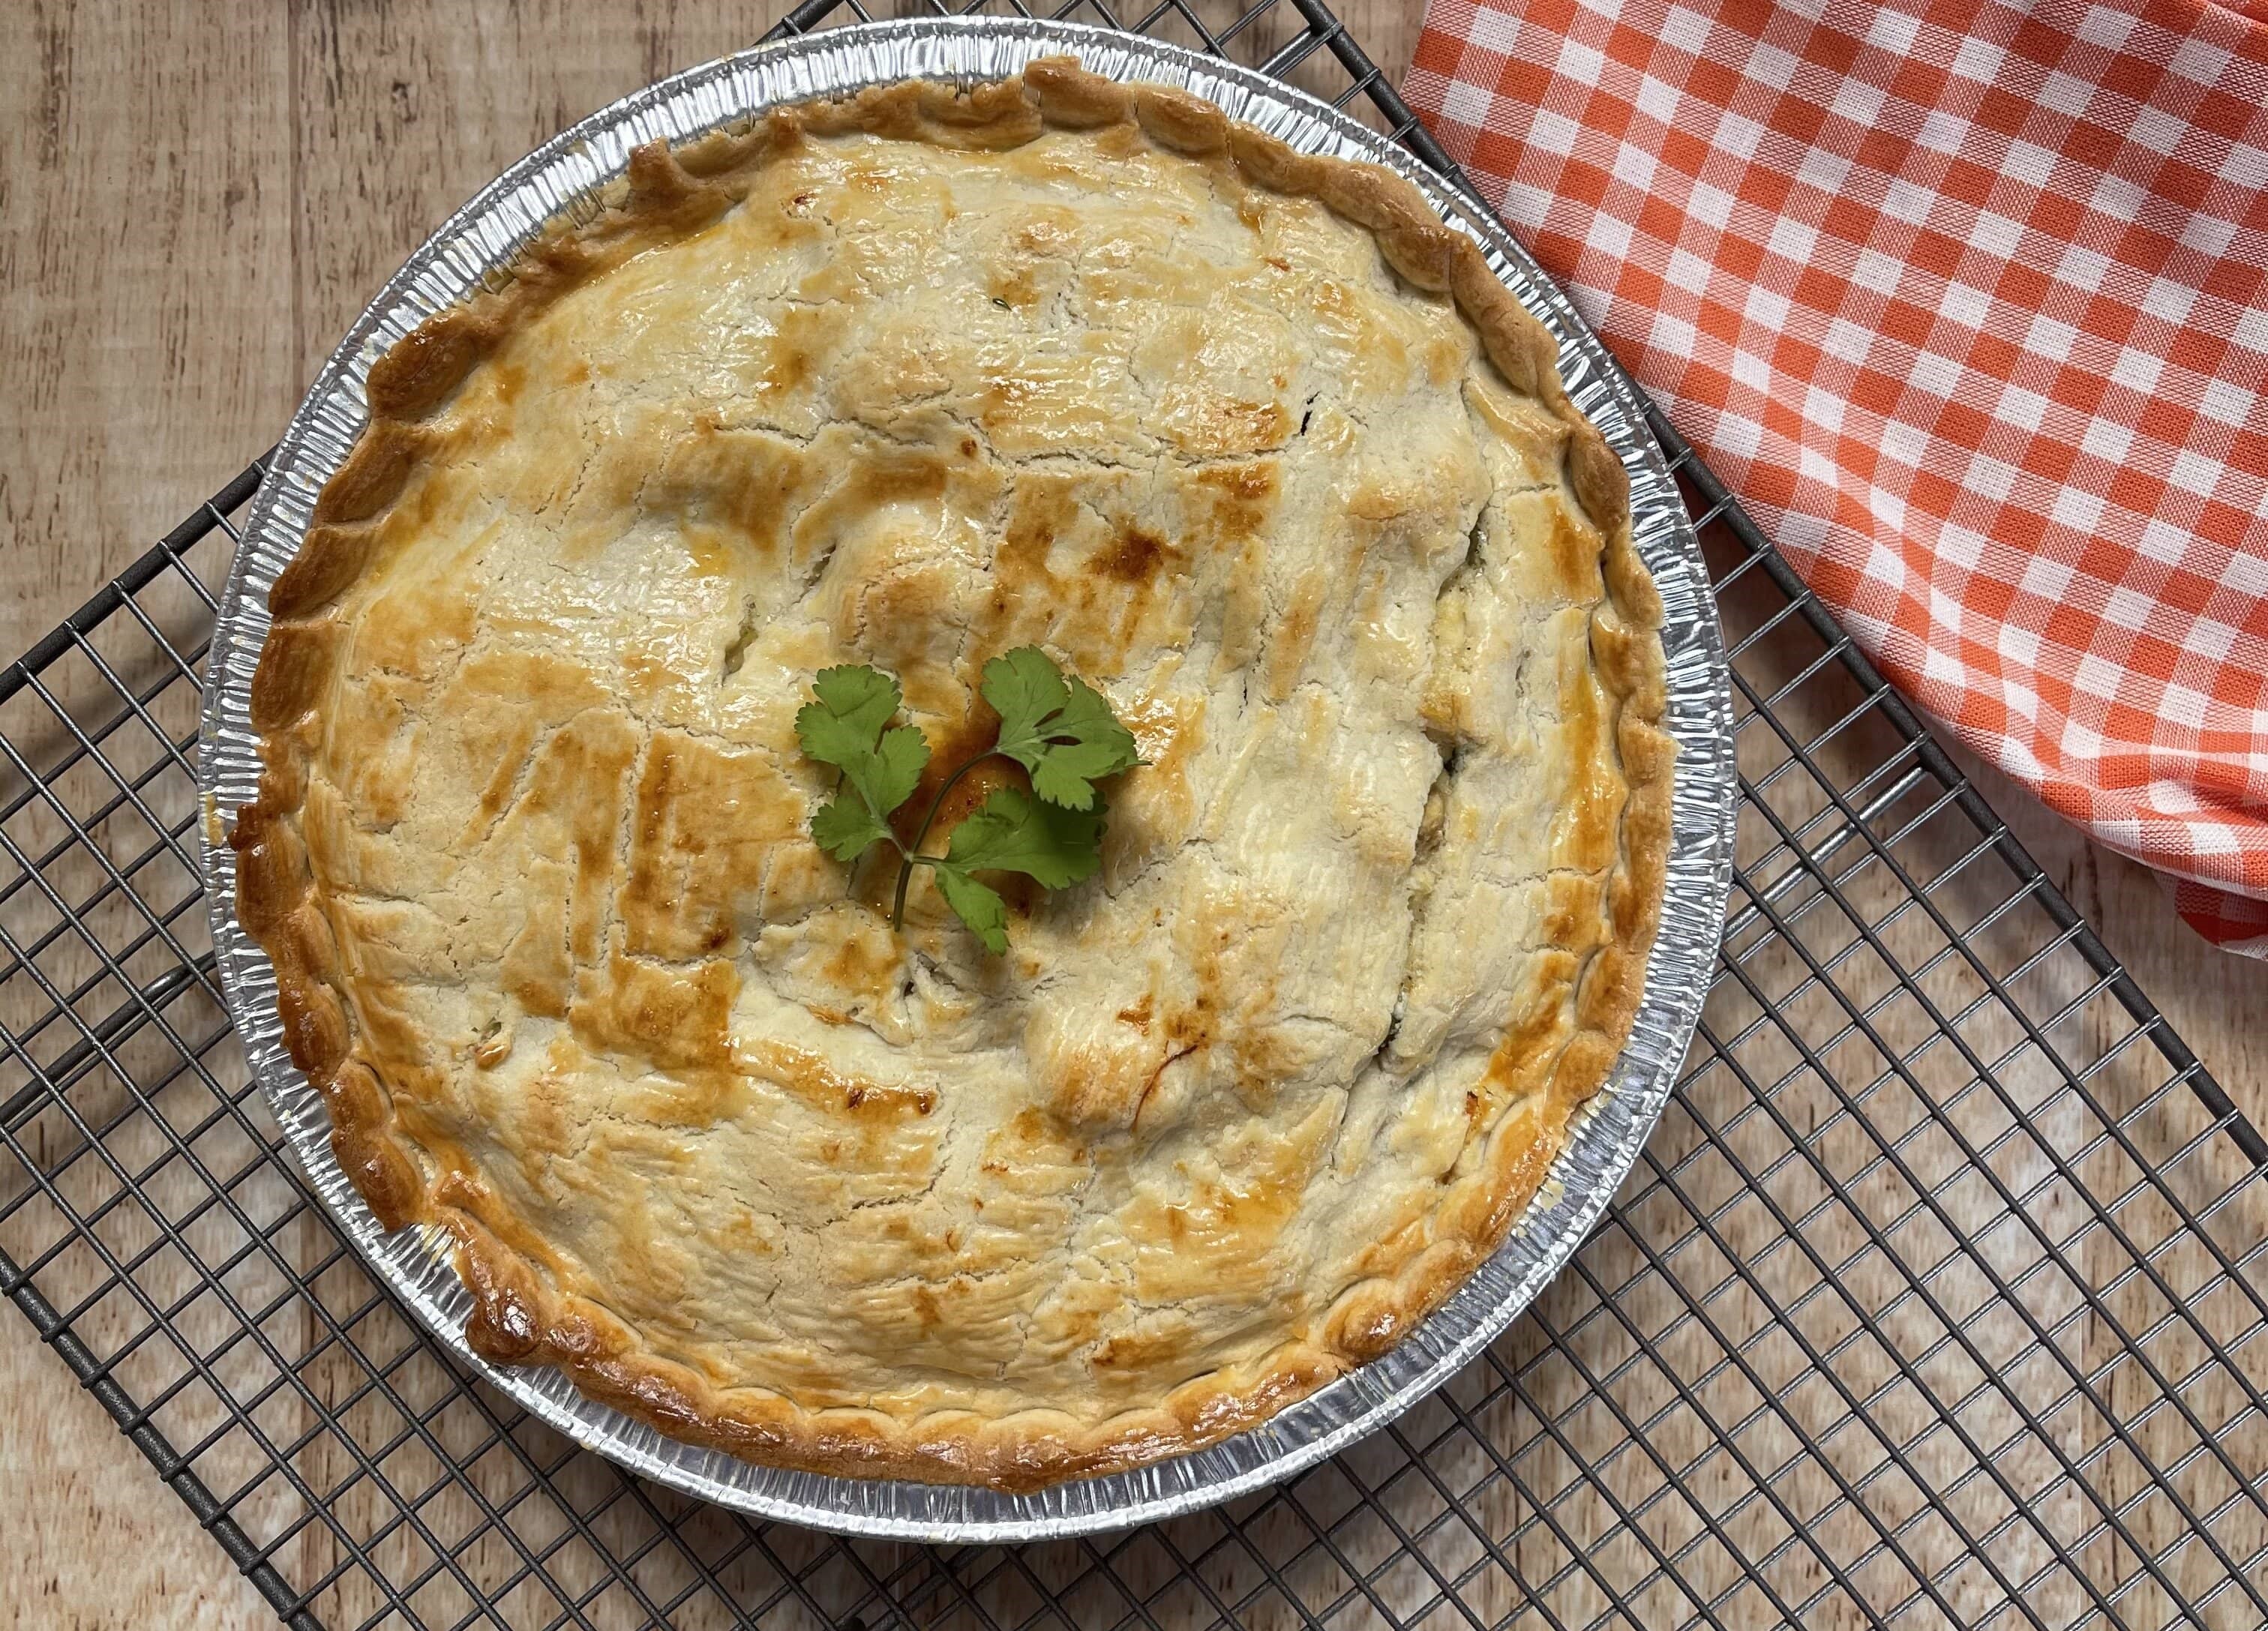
(194, 201)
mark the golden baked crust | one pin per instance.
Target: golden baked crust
(1252, 442)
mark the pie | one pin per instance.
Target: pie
(1247, 439)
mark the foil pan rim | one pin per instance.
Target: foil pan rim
(1605, 1136)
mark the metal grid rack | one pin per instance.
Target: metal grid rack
(1940, 1297)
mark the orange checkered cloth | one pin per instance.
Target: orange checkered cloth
(1969, 301)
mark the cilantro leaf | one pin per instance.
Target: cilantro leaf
(1098, 746)
(1062, 731)
(852, 706)
(843, 727)
(1010, 832)
(845, 829)
(977, 905)
(895, 770)
(1024, 686)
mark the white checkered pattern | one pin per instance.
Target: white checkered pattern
(1970, 303)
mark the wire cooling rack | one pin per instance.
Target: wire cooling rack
(1940, 1298)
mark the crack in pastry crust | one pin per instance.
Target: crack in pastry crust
(1256, 445)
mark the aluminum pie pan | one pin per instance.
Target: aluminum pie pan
(1604, 1137)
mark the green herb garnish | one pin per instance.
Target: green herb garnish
(1060, 730)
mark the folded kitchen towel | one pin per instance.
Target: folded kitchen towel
(1969, 302)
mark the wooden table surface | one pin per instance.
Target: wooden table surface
(194, 201)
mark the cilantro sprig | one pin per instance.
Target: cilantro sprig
(1059, 729)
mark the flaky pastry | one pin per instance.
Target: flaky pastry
(1250, 441)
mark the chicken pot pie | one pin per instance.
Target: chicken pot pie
(1247, 439)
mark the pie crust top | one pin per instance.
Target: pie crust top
(1248, 440)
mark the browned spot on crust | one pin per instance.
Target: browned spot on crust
(517, 742)
(1243, 495)
(1135, 557)
(1014, 288)
(1095, 590)
(330, 560)
(1218, 1237)
(816, 1082)
(578, 779)
(295, 667)
(704, 825)
(414, 628)
(880, 477)
(740, 481)
(427, 364)
(1223, 427)
(373, 474)
(806, 335)
(1589, 836)
(1040, 510)
(677, 1019)
(1573, 543)
(1133, 1351)
(1293, 637)
(1523, 1057)
(1156, 1076)
(1192, 1027)
(863, 965)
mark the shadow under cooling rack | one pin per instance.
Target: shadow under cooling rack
(1938, 1299)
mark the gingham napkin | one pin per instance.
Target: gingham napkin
(1970, 303)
